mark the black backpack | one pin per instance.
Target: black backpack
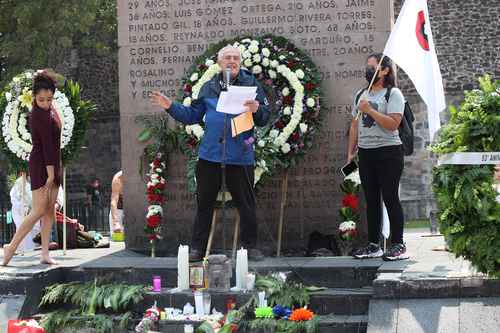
(405, 127)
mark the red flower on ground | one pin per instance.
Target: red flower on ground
(154, 221)
(350, 200)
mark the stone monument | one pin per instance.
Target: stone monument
(160, 39)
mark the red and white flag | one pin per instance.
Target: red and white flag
(411, 47)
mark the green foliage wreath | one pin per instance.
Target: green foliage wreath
(468, 211)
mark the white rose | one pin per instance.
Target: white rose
(274, 63)
(198, 131)
(247, 63)
(273, 133)
(28, 75)
(257, 69)
(189, 130)
(310, 102)
(266, 52)
(282, 69)
(285, 148)
(287, 111)
(281, 57)
(209, 62)
(187, 101)
(253, 48)
(246, 54)
(285, 91)
(242, 48)
(303, 127)
(256, 58)
(16, 80)
(246, 40)
(194, 77)
(258, 174)
(265, 62)
(261, 143)
(300, 74)
(272, 74)
(8, 96)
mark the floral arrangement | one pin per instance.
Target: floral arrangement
(155, 198)
(292, 83)
(301, 314)
(349, 212)
(15, 106)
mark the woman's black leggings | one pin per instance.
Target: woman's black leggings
(380, 170)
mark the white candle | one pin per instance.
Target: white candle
(241, 269)
(198, 303)
(183, 267)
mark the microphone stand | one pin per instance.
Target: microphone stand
(223, 167)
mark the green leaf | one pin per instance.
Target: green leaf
(145, 135)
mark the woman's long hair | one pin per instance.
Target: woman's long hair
(389, 79)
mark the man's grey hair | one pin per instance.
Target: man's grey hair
(227, 48)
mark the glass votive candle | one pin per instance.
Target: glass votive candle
(156, 283)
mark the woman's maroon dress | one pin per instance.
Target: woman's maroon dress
(46, 139)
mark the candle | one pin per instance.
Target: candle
(241, 269)
(156, 283)
(198, 303)
(250, 281)
(183, 267)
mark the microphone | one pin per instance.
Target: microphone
(227, 77)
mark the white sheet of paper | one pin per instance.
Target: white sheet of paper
(232, 101)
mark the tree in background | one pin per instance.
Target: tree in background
(39, 34)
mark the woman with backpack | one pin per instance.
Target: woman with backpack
(374, 136)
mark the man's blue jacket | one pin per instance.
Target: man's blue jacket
(239, 151)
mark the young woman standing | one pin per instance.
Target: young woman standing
(44, 167)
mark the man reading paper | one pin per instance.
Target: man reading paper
(238, 155)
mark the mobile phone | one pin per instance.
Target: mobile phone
(349, 168)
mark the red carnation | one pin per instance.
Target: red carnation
(279, 124)
(291, 64)
(155, 198)
(160, 186)
(152, 237)
(154, 221)
(187, 88)
(350, 200)
(156, 163)
(295, 136)
(202, 67)
(309, 86)
(288, 100)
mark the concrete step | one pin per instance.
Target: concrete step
(327, 324)
(333, 272)
(337, 301)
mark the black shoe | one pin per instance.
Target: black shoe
(396, 252)
(255, 255)
(370, 251)
(195, 255)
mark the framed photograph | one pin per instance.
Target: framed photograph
(196, 277)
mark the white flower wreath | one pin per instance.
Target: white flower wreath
(15, 118)
(258, 59)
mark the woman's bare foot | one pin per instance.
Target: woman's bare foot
(46, 260)
(8, 253)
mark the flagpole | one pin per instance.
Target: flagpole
(371, 82)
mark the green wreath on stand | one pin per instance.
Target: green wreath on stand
(292, 84)
(469, 214)
(15, 106)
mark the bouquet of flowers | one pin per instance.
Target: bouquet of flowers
(155, 197)
(349, 212)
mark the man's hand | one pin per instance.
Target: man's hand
(251, 105)
(158, 99)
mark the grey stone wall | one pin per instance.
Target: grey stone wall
(100, 154)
